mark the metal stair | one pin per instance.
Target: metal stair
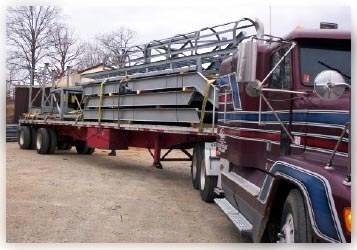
(175, 74)
(201, 50)
(242, 224)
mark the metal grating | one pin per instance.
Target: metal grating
(233, 214)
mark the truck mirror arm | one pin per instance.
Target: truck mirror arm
(329, 161)
(278, 118)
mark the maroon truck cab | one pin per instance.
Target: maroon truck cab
(290, 179)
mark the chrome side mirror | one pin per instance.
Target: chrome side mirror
(247, 61)
(329, 85)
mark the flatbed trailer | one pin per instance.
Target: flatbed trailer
(269, 124)
(111, 136)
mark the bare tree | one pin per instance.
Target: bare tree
(114, 45)
(65, 50)
(11, 75)
(91, 55)
(28, 30)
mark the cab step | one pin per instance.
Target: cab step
(243, 225)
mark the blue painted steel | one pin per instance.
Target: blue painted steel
(318, 197)
(311, 117)
(223, 80)
(231, 79)
(235, 91)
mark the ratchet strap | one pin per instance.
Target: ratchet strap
(205, 98)
(101, 101)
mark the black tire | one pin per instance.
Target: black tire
(81, 147)
(42, 141)
(90, 151)
(294, 223)
(196, 161)
(33, 137)
(62, 145)
(53, 141)
(24, 137)
(207, 183)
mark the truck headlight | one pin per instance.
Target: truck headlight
(347, 215)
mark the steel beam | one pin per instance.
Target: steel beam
(168, 115)
(173, 98)
(177, 81)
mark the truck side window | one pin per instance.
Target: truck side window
(281, 77)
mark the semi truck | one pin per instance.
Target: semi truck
(267, 119)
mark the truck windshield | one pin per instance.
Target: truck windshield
(318, 55)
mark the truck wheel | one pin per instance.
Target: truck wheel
(24, 137)
(33, 137)
(294, 221)
(90, 151)
(196, 161)
(42, 141)
(81, 147)
(53, 141)
(207, 183)
(61, 145)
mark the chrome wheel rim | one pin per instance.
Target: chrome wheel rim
(194, 166)
(21, 139)
(203, 175)
(287, 231)
(38, 141)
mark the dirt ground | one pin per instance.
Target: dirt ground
(67, 197)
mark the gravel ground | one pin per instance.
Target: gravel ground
(67, 197)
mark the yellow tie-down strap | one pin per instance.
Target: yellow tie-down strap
(205, 98)
(30, 115)
(101, 101)
(125, 79)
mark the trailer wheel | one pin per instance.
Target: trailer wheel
(196, 161)
(33, 137)
(207, 183)
(81, 147)
(294, 222)
(61, 145)
(42, 141)
(90, 151)
(24, 137)
(53, 141)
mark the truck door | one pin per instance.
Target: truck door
(281, 79)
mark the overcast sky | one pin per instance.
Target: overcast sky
(157, 21)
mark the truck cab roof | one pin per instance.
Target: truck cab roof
(318, 34)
